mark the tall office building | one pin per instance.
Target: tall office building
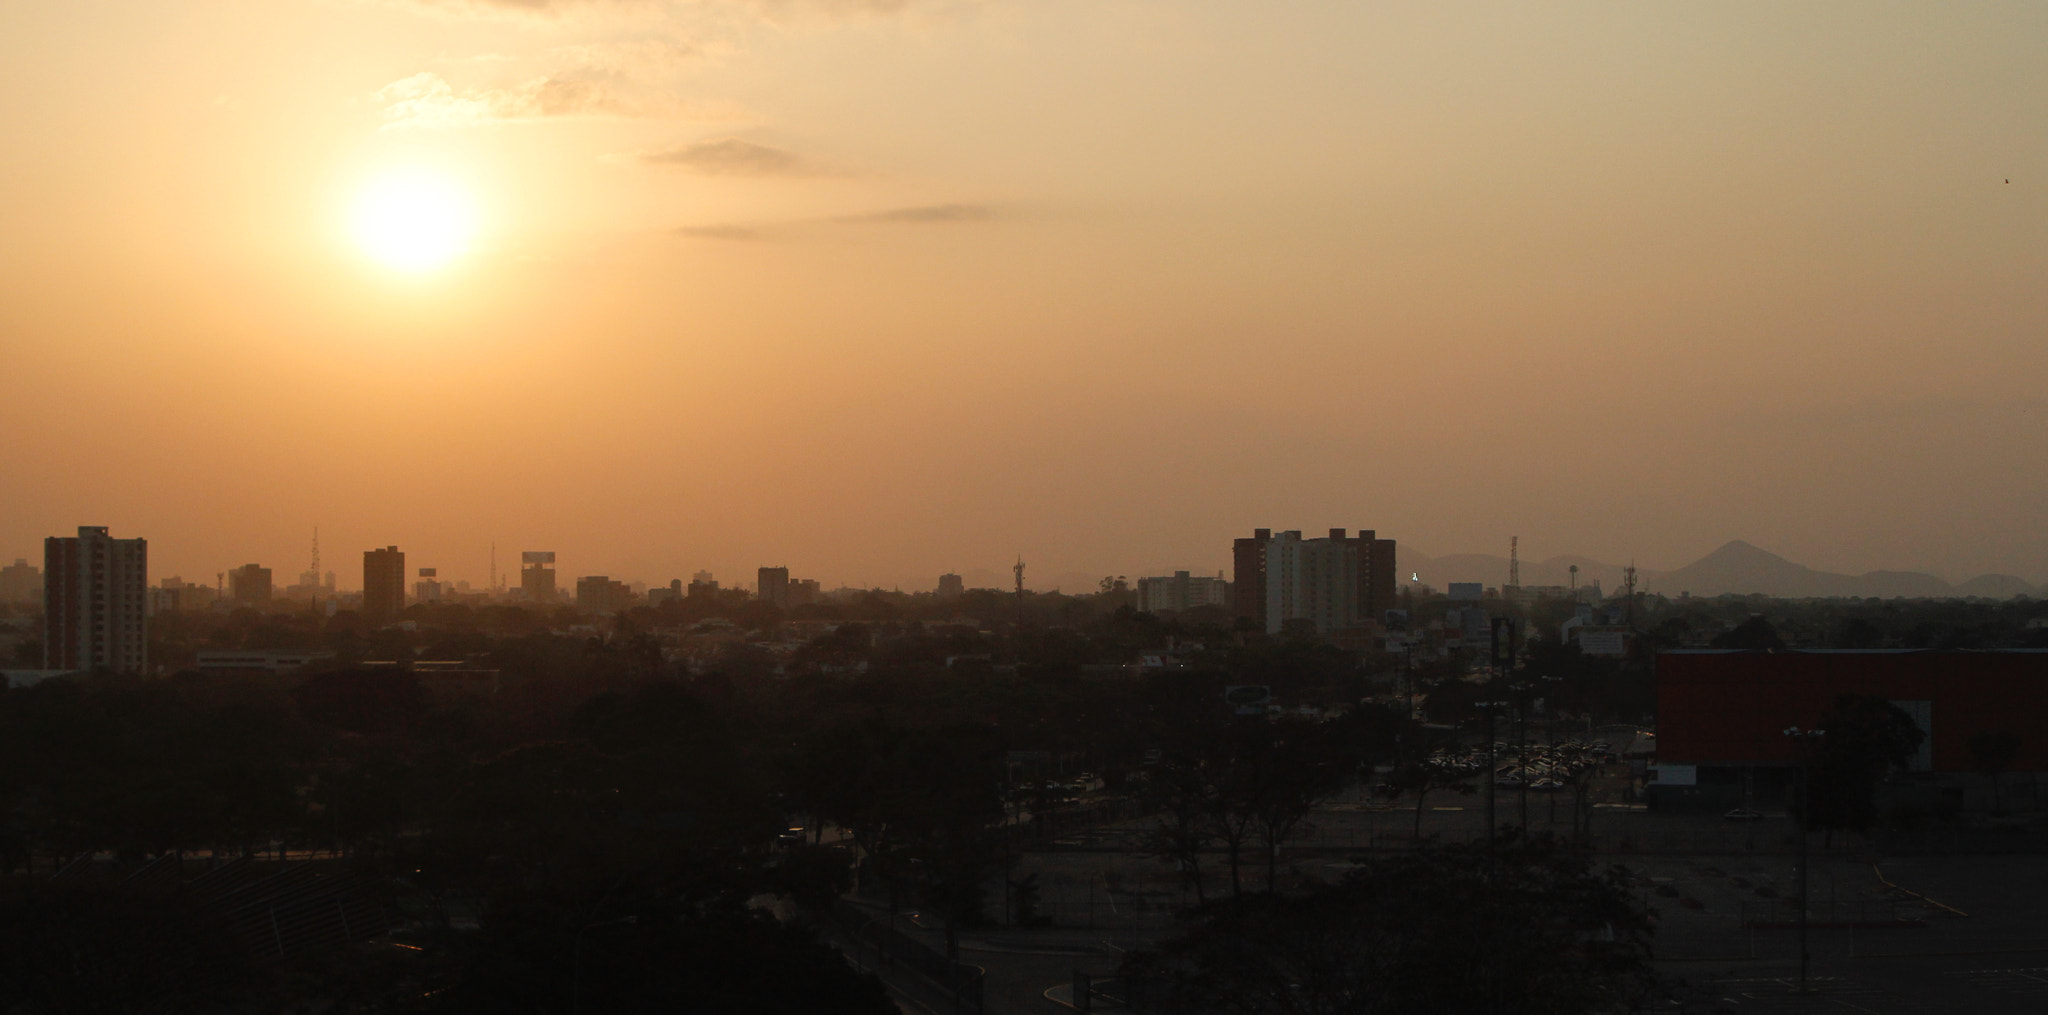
(383, 582)
(772, 585)
(537, 575)
(1340, 583)
(95, 601)
(951, 586)
(249, 584)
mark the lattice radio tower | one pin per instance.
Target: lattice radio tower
(1514, 562)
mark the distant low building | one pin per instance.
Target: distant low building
(175, 595)
(229, 663)
(249, 585)
(428, 589)
(21, 582)
(600, 594)
(1182, 591)
(771, 585)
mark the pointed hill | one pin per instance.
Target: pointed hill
(1997, 586)
(1740, 568)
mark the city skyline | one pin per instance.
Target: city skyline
(1735, 567)
(888, 290)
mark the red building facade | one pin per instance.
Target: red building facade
(1730, 708)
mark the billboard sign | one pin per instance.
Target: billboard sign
(1603, 641)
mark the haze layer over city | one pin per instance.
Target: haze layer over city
(883, 290)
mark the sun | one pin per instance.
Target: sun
(413, 221)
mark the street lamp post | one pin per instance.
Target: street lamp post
(1500, 658)
(1805, 739)
(1521, 690)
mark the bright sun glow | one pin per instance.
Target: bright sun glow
(413, 221)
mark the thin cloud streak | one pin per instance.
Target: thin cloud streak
(741, 233)
(925, 214)
(731, 156)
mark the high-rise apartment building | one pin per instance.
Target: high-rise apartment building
(1183, 591)
(951, 587)
(537, 575)
(772, 585)
(249, 584)
(383, 582)
(1339, 583)
(95, 601)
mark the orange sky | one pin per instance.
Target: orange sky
(881, 289)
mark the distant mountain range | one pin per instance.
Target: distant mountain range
(1737, 568)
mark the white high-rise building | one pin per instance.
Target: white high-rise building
(95, 602)
(1312, 579)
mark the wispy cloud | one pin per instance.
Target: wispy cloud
(531, 9)
(731, 156)
(771, 10)
(640, 59)
(427, 100)
(720, 232)
(930, 213)
(934, 214)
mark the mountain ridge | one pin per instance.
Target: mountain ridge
(1737, 567)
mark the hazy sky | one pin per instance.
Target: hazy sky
(880, 289)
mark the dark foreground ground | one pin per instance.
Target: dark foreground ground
(1900, 934)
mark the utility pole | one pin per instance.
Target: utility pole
(1805, 739)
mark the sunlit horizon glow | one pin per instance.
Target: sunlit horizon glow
(880, 290)
(413, 220)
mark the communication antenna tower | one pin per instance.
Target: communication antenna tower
(1019, 571)
(316, 555)
(1514, 562)
(494, 565)
(1628, 581)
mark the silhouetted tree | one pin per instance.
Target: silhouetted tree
(1865, 737)
(1992, 752)
(1754, 634)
